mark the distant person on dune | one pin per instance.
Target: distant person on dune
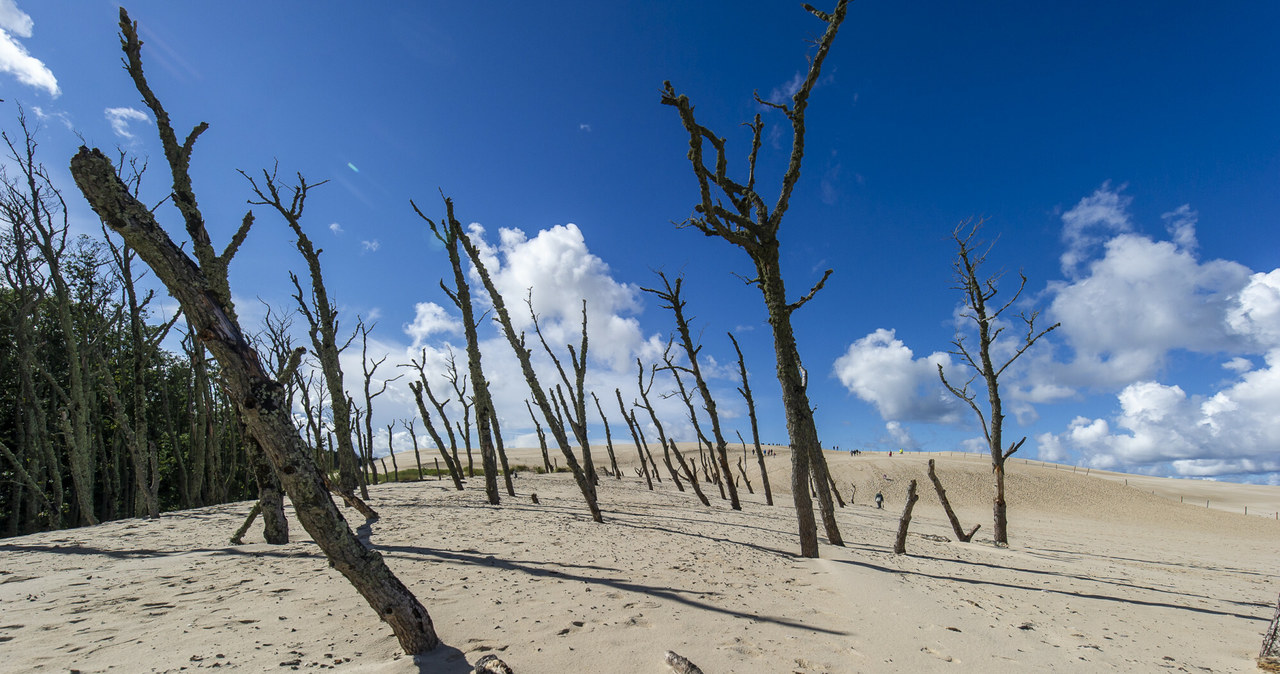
(879, 501)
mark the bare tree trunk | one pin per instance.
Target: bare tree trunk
(631, 425)
(653, 416)
(585, 485)
(413, 436)
(542, 437)
(743, 219)
(486, 415)
(978, 292)
(670, 294)
(689, 473)
(946, 506)
(745, 390)
(502, 451)
(450, 461)
(203, 293)
(608, 438)
(900, 544)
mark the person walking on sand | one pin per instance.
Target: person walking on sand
(879, 501)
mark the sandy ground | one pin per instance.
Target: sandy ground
(1099, 576)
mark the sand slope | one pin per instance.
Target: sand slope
(1099, 576)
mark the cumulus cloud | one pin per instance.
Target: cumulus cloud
(883, 371)
(14, 59)
(1233, 431)
(335, 228)
(1092, 221)
(370, 246)
(1145, 298)
(430, 319)
(119, 119)
(562, 272)
(900, 437)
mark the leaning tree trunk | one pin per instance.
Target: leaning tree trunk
(260, 399)
(204, 294)
(900, 545)
(946, 506)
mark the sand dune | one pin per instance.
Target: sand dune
(1099, 575)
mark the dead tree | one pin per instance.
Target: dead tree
(644, 444)
(608, 437)
(697, 431)
(653, 416)
(585, 485)
(745, 390)
(573, 408)
(413, 436)
(322, 317)
(368, 372)
(486, 417)
(946, 506)
(418, 387)
(201, 288)
(742, 469)
(900, 544)
(737, 213)
(631, 426)
(670, 294)
(978, 292)
(542, 437)
(690, 472)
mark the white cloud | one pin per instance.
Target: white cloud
(1181, 225)
(1255, 314)
(335, 228)
(14, 59)
(60, 116)
(430, 319)
(1090, 222)
(584, 127)
(1238, 365)
(370, 246)
(119, 119)
(1234, 431)
(562, 272)
(1145, 298)
(883, 371)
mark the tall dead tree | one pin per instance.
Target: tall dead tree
(670, 295)
(745, 390)
(737, 213)
(322, 318)
(708, 472)
(503, 318)
(460, 294)
(201, 288)
(978, 292)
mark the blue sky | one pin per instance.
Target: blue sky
(1126, 157)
